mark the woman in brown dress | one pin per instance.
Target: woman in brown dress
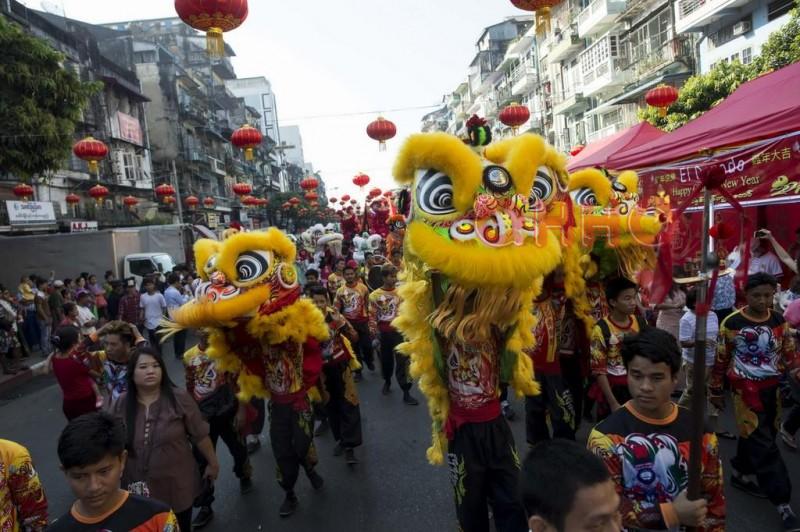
(163, 423)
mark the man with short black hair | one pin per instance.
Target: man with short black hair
(352, 301)
(645, 444)
(175, 299)
(565, 488)
(152, 307)
(92, 453)
(755, 350)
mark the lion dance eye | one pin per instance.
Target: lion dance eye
(434, 192)
(542, 185)
(584, 196)
(251, 265)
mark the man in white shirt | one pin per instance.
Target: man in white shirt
(764, 261)
(86, 318)
(175, 300)
(153, 306)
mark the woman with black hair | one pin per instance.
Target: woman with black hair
(75, 370)
(163, 422)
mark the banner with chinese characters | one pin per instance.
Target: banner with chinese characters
(766, 172)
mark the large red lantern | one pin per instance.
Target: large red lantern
(72, 199)
(309, 183)
(208, 202)
(92, 151)
(130, 202)
(247, 138)
(311, 196)
(164, 191)
(662, 97)
(381, 130)
(99, 193)
(23, 191)
(242, 189)
(213, 17)
(361, 180)
(192, 202)
(514, 115)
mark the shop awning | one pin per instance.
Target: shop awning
(598, 153)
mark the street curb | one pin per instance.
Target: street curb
(15, 381)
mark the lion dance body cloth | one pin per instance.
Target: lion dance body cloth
(261, 329)
(476, 251)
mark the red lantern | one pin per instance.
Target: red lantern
(72, 199)
(169, 200)
(381, 130)
(164, 191)
(130, 202)
(662, 97)
(263, 202)
(23, 191)
(294, 201)
(286, 205)
(213, 17)
(99, 193)
(332, 200)
(242, 189)
(353, 202)
(247, 138)
(374, 193)
(92, 151)
(576, 149)
(361, 180)
(309, 183)
(514, 115)
(208, 201)
(311, 196)
(249, 201)
(388, 194)
(192, 202)
(346, 197)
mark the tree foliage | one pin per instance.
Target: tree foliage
(40, 103)
(703, 91)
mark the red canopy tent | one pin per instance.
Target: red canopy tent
(598, 153)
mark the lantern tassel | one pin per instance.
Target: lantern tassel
(542, 21)
(662, 112)
(248, 154)
(215, 45)
(94, 168)
(382, 146)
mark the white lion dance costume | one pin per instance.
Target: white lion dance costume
(476, 251)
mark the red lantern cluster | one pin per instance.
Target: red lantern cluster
(92, 151)
(208, 201)
(213, 17)
(514, 115)
(309, 183)
(247, 138)
(98, 193)
(381, 130)
(361, 180)
(662, 97)
(23, 191)
(242, 189)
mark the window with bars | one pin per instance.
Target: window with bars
(747, 56)
(650, 37)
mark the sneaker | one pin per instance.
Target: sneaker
(253, 444)
(788, 438)
(350, 456)
(409, 399)
(316, 481)
(289, 505)
(790, 521)
(747, 486)
(203, 517)
(338, 450)
(387, 388)
(245, 485)
(322, 428)
(508, 412)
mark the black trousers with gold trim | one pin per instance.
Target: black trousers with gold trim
(344, 413)
(291, 433)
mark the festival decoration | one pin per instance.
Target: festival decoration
(242, 189)
(164, 191)
(575, 150)
(294, 201)
(286, 206)
(98, 193)
(375, 192)
(208, 202)
(130, 202)
(247, 138)
(662, 97)
(92, 151)
(514, 115)
(388, 194)
(346, 198)
(192, 202)
(309, 183)
(72, 199)
(381, 130)
(332, 200)
(170, 200)
(249, 201)
(23, 191)
(542, 9)
(361, 180)
(213, 17)
(353, 202)
(311, 196)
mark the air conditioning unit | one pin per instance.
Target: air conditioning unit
(740, 28)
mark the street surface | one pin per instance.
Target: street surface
(392, 489)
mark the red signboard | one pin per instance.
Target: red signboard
(766, 172)
(127, 128)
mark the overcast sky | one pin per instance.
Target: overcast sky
(347, 56)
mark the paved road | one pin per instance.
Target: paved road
(392, 489)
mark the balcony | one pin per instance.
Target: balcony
(217, 166)
(603, 67)
(599, 16)
(523, 79)
(679, 49)
(565, 45)
(695, 15)
(604, 132)
(569, 102)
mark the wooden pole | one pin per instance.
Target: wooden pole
(698, 405)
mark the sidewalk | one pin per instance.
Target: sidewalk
(9, 383)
